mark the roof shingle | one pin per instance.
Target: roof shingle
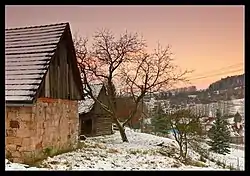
(28, 51)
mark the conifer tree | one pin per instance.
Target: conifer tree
(220, 136)
(237, 117)
(158, 120)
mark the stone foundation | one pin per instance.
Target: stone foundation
(48, 127)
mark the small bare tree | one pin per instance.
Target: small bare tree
(102, 61)
(151, 73)
(186, 127)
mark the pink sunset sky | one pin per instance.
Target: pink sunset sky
(206, 39)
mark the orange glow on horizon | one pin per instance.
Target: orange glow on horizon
(203, 38)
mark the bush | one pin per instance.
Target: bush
(48, 151)
(135, 151)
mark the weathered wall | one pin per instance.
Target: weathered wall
(102, 122)
(50, 126)
(103, 125)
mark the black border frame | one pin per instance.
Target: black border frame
(174, 2)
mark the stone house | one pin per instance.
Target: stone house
(93, 119)
(42, 86)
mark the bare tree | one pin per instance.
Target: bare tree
(151, 73)
(110, 60)
(186, 128)
(102, 61)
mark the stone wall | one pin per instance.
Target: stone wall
(48, 127)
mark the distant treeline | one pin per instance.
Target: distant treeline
(228, 82)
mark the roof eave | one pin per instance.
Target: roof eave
(19, 103)
(71, 43)
(85, 112)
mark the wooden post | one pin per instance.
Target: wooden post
(142, 125)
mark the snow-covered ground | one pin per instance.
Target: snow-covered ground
(235, 158)
(237, 105)
(17, 166)
(141, 153)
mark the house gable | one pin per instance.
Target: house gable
(102, 97)
(63, 79)
(29, 52)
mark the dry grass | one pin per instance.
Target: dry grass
(198, 164)
(101, 146)
(111, 150)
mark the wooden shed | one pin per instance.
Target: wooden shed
(94, 120)
(42, 86)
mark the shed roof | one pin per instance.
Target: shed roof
(85, 106)
(28, 51)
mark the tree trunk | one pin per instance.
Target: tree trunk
(122, 132)
(121, 129)
(112, 98)
(181, 148)
(185, 144)
(185, 154)
(181, 152)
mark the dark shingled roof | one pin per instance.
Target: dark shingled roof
(28, 51)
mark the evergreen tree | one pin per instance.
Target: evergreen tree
(158, 119)
(237, 117)
(219, 135)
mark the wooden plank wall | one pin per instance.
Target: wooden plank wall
(60, 81)
(103, 125)
(47, 85)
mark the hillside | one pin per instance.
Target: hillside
(228, 83)
(141, 153)
(226, 89)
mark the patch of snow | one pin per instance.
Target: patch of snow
(86, 105)
(110, 153)
(236, 156)
(17, 166)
